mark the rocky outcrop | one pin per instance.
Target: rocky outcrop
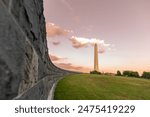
(26, 72)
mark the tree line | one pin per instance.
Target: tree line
(134, 74)
(126, 73)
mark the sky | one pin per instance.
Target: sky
(120, 27)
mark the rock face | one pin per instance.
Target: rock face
(26, 72)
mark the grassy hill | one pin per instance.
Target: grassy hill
(100, 87)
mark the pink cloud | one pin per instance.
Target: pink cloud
(70, 66)
(56, 43)
(59, 61)
(54, 30)
(56, 58)
(101, 50)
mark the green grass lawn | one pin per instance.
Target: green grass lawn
(100, 87)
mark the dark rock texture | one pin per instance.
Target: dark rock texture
(26, 72)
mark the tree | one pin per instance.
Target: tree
(146, 75)
(131, 73)
(118, 73)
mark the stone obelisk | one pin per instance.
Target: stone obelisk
(96, 57)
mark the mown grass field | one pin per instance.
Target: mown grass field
(100, 87)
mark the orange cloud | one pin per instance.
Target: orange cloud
(70, 66)
(53, 30)
(56, 58)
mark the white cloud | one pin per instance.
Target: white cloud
(80, 42)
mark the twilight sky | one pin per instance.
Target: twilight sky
(121, 28)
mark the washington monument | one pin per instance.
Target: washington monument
(96, 57)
